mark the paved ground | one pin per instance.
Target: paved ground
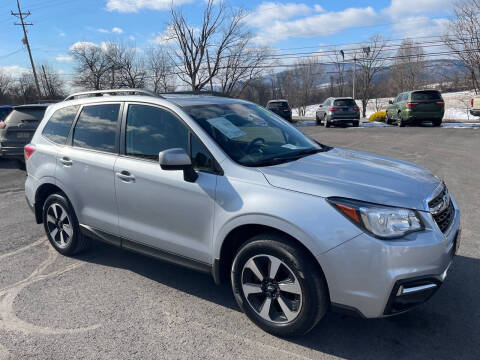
(117, 305)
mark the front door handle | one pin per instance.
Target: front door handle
(66, 161)
(125, 176)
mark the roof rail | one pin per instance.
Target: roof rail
(111, 92)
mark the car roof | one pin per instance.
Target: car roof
(342, 98)
(31, 106)
(6, 106)
(277, 100)
(183, 100)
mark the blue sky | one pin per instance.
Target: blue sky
(282, 25)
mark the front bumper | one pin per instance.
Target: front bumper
(366, 273)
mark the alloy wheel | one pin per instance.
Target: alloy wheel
(59, 225)
(271, 289)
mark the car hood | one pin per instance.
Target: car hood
(356, 175)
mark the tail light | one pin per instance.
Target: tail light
(333, 109)
(356, 108)
(2, 125)
(440, 103)
(28, 150)
(471, 105)
(411, 104)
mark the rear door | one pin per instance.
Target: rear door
(85, 167)
(426, 103)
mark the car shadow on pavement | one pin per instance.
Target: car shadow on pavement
(447, 326)
(10, 164)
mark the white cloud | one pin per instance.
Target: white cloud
(14, 70)
(401, 8)
(324, 24)
(136, 5)
(267, 12)
(166, 37)
(420, 26)
(104, 31)
(131, 38)
(82, 44)
(64, 58)
(117, 30)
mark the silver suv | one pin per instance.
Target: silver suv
(227, 187)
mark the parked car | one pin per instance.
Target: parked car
(281, 108)
(18, 127)
(222, 186)
(336, 111)
(4, 111)
(415, 107)
(475, 106)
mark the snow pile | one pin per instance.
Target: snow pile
(457, 106)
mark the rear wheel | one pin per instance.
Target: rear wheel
(61, 226)
(437, 122)
(387, 119)
(326, 123)
(278, 286)
(400, 121)
(317, 120)
(356, 123)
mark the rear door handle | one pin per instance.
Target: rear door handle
(125, 176)
(66, 161)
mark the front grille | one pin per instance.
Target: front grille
(445, 216)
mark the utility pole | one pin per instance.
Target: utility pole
(354, 73)
(22, 16)
(209, 73)
(49, 89)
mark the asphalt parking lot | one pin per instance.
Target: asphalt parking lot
(113, 304)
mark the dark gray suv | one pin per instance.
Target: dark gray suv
(338, 111)
(18, 127)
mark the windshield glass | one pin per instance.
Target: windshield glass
(252, 135)
(426, 95)
(4, 112)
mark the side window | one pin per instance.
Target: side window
(59, 124)
(201, 158)
(151, 130)
(96, 127)
(405, 97)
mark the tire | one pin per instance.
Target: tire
(437, 123)
(326, 123)
(58, 214)
(356, 123)
(400, 121)
(317, 120)
(388, 121)
(307, 299)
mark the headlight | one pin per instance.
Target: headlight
(381, 221)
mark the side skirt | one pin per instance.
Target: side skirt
(148, 251)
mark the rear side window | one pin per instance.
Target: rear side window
(345, 102)
(59, 124)
(151, 130)
(4, 113)
(96, 127)
(426, 95)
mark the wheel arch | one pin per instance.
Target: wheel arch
(42, 193)
(240, 234)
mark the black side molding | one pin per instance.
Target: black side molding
(146, 250)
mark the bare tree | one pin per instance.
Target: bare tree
(304, 74)
(127, 68)
(241, 65)
(199, 51)
(160, 69)
(6, 82)
(50, 82)
(25, 89)
(371, 63)
(464, 37)
(409, 66)
(92, 66)
(338, 59)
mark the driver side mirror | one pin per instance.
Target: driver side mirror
(178, 159)
(390, 102)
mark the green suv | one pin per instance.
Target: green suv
(416, 106)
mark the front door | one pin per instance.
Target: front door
(158, 208)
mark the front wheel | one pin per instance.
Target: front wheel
(61, 226)
(356, 123)
(388, 121)
(400, 121)
(278, 286)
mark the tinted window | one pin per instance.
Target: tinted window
(151, 130)
(201, 158)
(27, 115)
(426, 95)
(405, 97)
(4, 112)
(96, 127)
(278, 105)
(345, 102)
(59, 124)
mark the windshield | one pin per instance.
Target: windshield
(344, 102)
(426, 95)
(252, 135)
(4, 112)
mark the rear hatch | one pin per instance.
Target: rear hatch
(345, 108)
(20, 125)
(280, 108)
(426, 102)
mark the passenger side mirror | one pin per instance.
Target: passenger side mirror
(390, 102)
(178, 159)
